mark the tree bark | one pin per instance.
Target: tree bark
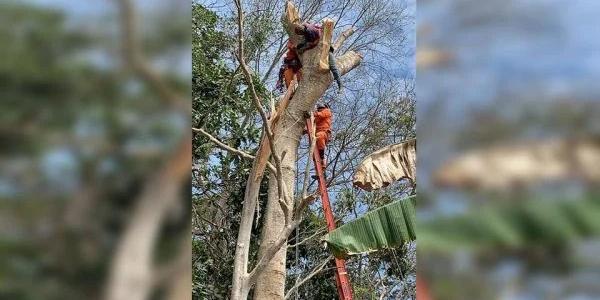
(239, 288)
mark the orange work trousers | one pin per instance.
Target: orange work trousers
(322, 139)
(288, 76)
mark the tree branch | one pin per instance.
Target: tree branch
(348, 61)
(309, 160)
(342, 38)
(318, 232)
(314, 272)
(255, 98)
(303, 203)
(229, 148)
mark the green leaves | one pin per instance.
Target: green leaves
(383, 228)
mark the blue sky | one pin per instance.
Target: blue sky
(76, 7)
(515, 45)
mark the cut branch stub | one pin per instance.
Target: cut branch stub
(291, 13)
(326, 43)
(348, 61)
(289, 19)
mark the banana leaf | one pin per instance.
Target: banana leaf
(386, 227)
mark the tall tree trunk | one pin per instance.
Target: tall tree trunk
(240, 288)
(271, 283)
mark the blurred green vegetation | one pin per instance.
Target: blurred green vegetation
(79, 137)
(528, 223)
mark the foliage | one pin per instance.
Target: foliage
(80, 138)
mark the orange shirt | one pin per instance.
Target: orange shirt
(291, 54)
(323, 119)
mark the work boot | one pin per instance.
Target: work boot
(322, 156)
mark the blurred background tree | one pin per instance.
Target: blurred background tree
(81, 134)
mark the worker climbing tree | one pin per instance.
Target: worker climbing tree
(291, 67)
(311, 34)
(323, 118)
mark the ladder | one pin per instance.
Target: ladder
(341, 276)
